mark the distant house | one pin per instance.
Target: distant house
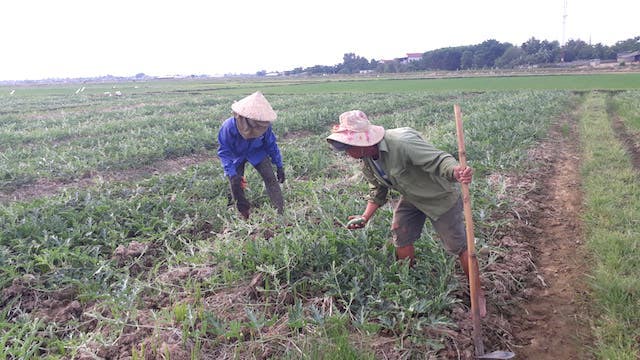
(411, 57)
(414, 57)
(629, 57)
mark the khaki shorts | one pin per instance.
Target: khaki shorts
(408, 222)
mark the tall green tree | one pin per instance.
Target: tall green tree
(629, 45)
(466, 60)
(441, 59)
(512, 57)
(573, 48)
(352, 63)
(486, 53)
(531, 46)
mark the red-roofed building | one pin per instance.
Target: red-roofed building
(414, 57)
(404, 60)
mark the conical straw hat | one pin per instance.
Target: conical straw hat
(255, 107)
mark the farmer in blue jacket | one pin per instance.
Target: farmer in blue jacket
(248, 137)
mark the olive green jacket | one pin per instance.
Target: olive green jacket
(422, 174)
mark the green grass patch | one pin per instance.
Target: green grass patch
(502, 83)
(627, 105)
(612, 199)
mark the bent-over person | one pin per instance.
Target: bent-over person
(425, 176)
(248, 136)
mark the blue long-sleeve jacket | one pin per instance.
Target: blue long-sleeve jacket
(234, 149)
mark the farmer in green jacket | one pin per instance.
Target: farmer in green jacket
(426, 177)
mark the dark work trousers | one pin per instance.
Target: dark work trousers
(265, 169)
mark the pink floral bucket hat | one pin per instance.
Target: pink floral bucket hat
(354, 130)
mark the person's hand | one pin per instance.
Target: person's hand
(356, 222)
(280, 175)
(243, 183)
(463, 175)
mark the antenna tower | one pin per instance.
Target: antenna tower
(564, 22)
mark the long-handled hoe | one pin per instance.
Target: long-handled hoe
(473, 273)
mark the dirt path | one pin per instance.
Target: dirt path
(551, 324)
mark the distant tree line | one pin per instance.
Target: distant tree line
(487, 55)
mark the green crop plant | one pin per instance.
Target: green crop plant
(23, 339)
(180, 312)
(138, 354)
(133, 228)
(334, 340)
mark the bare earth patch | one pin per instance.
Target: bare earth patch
(551, 324)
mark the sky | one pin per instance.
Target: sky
(41, 39)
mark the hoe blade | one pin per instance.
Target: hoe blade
(497, 355)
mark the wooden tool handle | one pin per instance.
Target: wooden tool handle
(468, 220)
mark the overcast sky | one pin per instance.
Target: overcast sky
(80, 38)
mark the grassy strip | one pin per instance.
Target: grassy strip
(627, 105)
(612, 199)
(406, 82)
